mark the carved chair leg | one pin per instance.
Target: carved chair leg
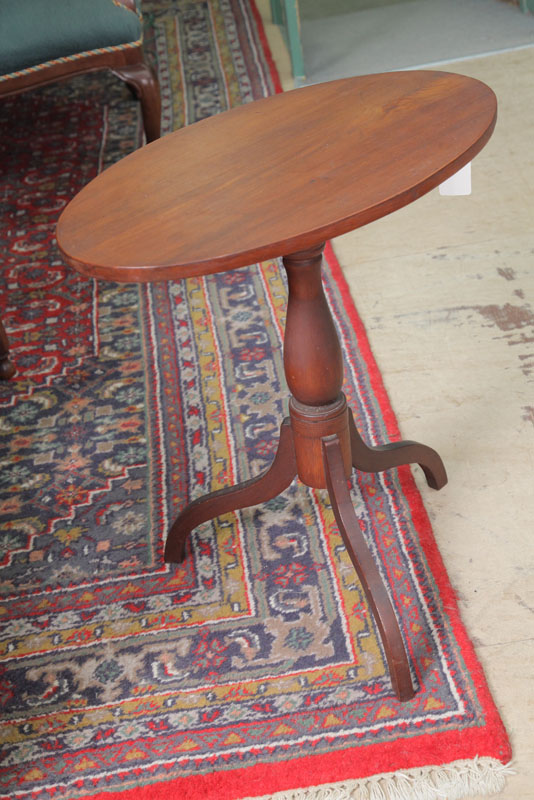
(366, 569)
(249, 493)
(7, 368)
(145, 85)
(376, 459)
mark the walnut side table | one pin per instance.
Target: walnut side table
(278, 177)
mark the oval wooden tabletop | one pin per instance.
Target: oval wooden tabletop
(276, 176)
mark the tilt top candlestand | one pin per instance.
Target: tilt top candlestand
(277, 178)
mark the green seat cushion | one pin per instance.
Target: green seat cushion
(36, 31)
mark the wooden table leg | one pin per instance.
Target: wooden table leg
(320, 444)
(7, 368)
(386, 456)
(249, 493)
(324, 434)
(360, 555)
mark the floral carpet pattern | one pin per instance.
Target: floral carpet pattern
(117, 671)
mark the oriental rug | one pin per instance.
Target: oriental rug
(254, 667)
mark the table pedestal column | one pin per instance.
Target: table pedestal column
(319, 443)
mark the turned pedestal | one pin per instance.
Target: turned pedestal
(319, 443)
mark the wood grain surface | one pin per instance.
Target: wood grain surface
(276, 176)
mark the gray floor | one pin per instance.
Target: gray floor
(319, 9)
(405, 34)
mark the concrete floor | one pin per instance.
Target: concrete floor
(445, 288)
(380, 37)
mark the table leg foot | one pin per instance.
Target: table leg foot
(336, 482)
(376, 459)
(7, 368)
(249, 493)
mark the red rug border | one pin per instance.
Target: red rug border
(275, 77)
(438, 748)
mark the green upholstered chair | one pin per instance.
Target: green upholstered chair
(286, 14)
(42, 41)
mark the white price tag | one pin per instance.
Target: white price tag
(459, 183)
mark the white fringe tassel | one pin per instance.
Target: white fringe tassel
(455, 781)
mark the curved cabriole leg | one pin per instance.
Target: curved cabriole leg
(376, 459)
(249, 493)
(366, 569)
(145, 85)
(7, 368)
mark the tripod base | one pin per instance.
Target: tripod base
(321, 445)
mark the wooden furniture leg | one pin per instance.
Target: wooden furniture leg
(386, 456)
(323, 437)
(146, 87)
(375, 591)
(249, 493)
(7, 368)
(320, 444)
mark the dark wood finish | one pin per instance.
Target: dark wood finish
(273, 178)
(310, 425)
(366, 568)
(128, 65)
(386, 456)
(319, 442)
(143, 82)
(276, 176)
(249, 493)
(7, 368)
(313, 366)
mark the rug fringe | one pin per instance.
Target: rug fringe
(455, 781)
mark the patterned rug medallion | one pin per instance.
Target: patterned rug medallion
(255, 666)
